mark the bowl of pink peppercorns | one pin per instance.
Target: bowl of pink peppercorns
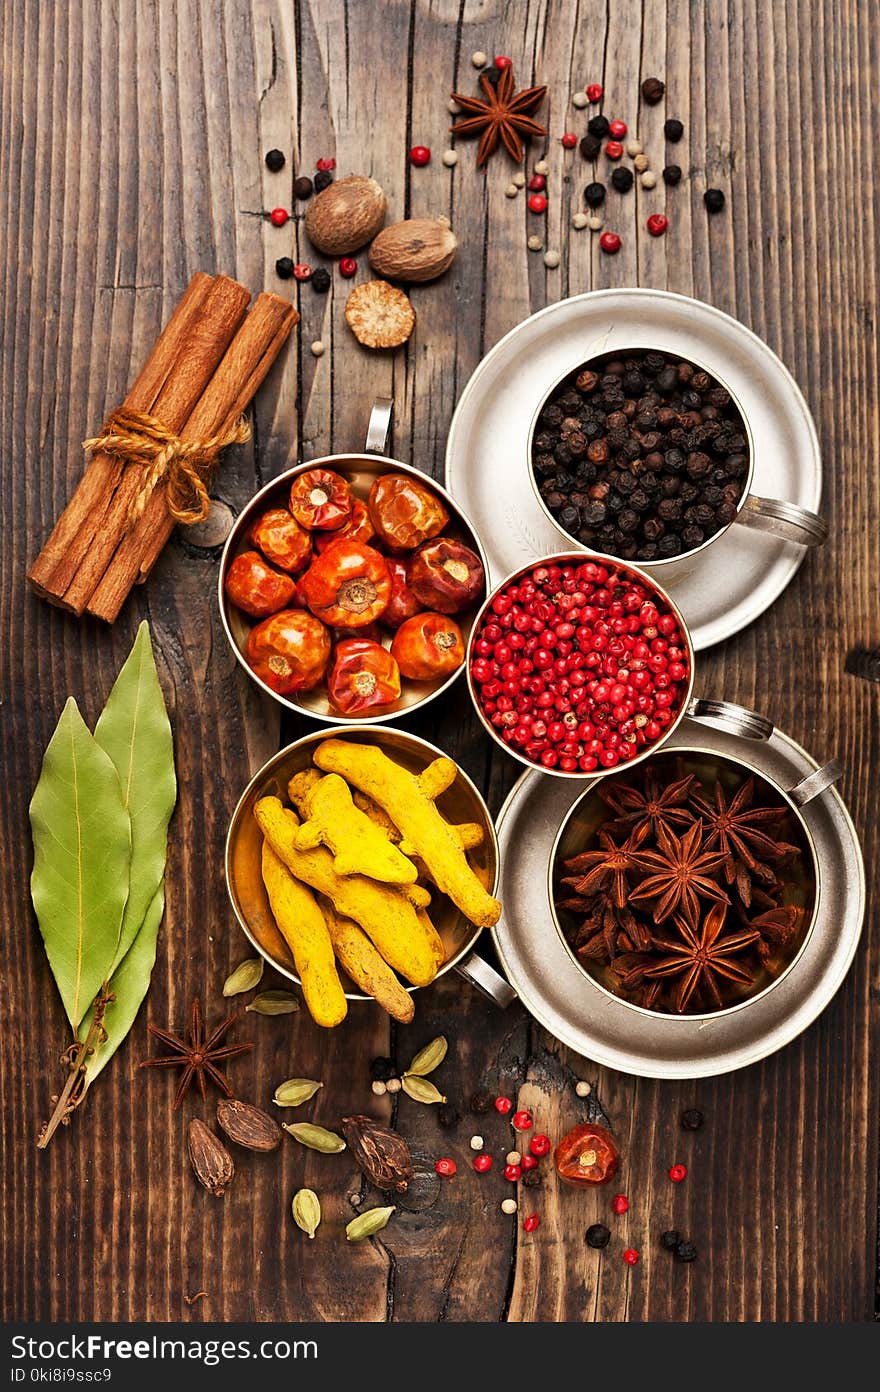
(580, 664)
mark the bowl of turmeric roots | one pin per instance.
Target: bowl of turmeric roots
(362, 863)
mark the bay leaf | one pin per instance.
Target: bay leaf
(129, 984)
(82, 847)
(134, 730)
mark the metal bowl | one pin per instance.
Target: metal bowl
(579, 558)
(360, 470)
(460, 803)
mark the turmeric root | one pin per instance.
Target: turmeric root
(409, 801)
(304, 928)
(470, 834)
(366, 968)
(383, 911)
(332, 820)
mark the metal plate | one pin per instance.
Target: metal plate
(487, 464)
(588, 1019)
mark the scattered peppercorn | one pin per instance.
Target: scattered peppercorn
(323, 179)
(537, 183)
(640, 162)
(537, 203)
(598, 1235)
(595, 92)
(673, 130)
(482, 1163)
(610, 243)
(670, 1240)
(539, 1144)
(582, 1088)
(672, 175)
(502, 63)
(648, 180)
(614, 149)
(509, 1205)
(691, 1119)
(568, 140)
(513, 1173)
(378, 1087)
(590, 146)
(677, 1173)
(382, 1069)
(303, 187)
(447, 1115)
(714, 200)
(631, 1256)
(325, 164)
(653, 90)
(503, 1105)
(531, 1179)
(481, 1102)
(492, 74)
(531, 1222)
(634, 148)
(284, 268)
(622, 179)
(348, 267)
(419, 155)
(580, 100)
(617, 129)
(279, 216)
(657, 224)
(598, 125)
(513, 1157)
(321, 280)
(393, 1084)
(685, 1252)
(522, 1121)
(275, 160)
(620, 1203)
(477, 1143)
(594, 195)
(529, 1162)
(446, 1167)
(301, 271)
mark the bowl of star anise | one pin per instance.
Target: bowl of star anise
(686, 886)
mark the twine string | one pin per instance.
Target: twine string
(185, 466)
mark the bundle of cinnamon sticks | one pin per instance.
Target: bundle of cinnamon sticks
(201, 374)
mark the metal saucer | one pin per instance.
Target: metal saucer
(487, 463)
(607, 1030)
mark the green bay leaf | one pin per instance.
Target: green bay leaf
(134, 730)
(82, 847)
(129, 984)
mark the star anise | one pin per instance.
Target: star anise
(681, 875)
(504, 116)
(658, 806)
(198, 1056)
(607, 930)
(608, 868)
(735, 828)
(700, 958)
(777, 927)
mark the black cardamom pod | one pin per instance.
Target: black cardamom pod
(382, 1154)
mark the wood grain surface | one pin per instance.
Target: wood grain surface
(132, 137)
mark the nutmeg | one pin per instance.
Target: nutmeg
(346, 215)
(415, 250)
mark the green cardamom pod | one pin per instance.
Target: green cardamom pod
(420, 1089)
(429, 1058)
(274, 1003)
(366, 1224)
(246, 976)
(315, 1137)
(295, 1091)
(306, 1208)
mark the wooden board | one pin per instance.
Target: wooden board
(131, 153)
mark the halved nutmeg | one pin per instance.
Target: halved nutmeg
(247, 1125)
(379, 315)
(346, 215)
(415, 250)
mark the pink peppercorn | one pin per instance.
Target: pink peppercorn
(617, 129)
(446, 1167)
(325, 165)
(537, 203)
(529, 1162)
(539, 1144)
(631, 1256)
(531, 1222)
(595, 92)
(503, 1105)
(512, 1173)
(419, 155)
(522, 1121)
(482, 1163)
(279, 216)
(301, 271)
(677, 1173)
(537, 183)
(502, 62)
(610, 243)
(657, 224)
(613, 149)
(569, 140)
(348, 267)
(620, 1203)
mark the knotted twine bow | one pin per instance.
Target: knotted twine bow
(187, 465)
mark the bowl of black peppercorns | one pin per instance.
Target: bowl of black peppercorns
(641, 454)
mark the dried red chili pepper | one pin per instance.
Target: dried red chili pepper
(281, 539)
(320, 498)
(586, 1155)
(405, 512)
(428, 646)
(359, 527)
(364, 676)
(289, 651)
(254, 586)
(348, 586)
(403, 604)
(445, 575)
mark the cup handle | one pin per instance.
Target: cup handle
(815, 783)
(784, 520)
(379, 425)
(477, 971)
(737, 718)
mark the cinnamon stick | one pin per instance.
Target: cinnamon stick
(240, 372)
(210, 333)
(72, 535)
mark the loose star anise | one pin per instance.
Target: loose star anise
(606, 930)
(777, 927)
(734, 827)
(608, 868)
(504, 115)
(681, 870)
(701, 957)
(658, 806)
(199, 1056)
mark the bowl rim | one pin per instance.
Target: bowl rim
(580, 558)
(782, 793)
(660, 561)
(345, 732)
(242, 521)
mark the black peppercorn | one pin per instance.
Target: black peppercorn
(672, 175)
(594, 195)
(303, 187)
(685, 1252)
(622, 179)
(673, 130)
(381, 1069)
(275, 160)
(652, 90)
(284, 267)
(492, 74)
(670, 1240)
(599, 126)
(447, 1115)
(599, 1236)
(321, 280)
(691, 1119)
(481, 1102)
(323, 179)
(590, 146)
(714, 200)
(531, 1179)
